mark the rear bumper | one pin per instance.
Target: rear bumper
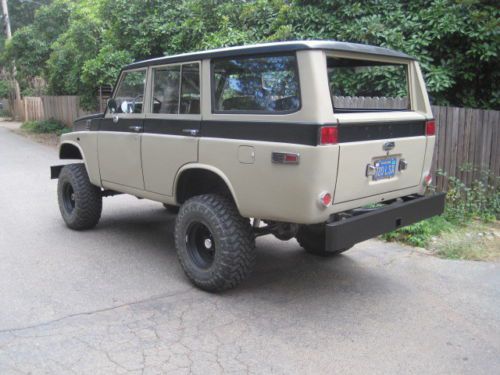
(345, 233)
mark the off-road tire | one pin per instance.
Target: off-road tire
(80, 202)
(171, 208)
(312, 239)
(233, 255)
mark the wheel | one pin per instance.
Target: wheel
(171, 208)
(312, 239)
(80, 202)
(215, 245)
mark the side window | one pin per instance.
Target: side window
(166, 89)
(129, 96)
(266, 84)
(176, 89)
(190, 89)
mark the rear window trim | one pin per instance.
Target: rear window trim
(370, 110)
(253, 112)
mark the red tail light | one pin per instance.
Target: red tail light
(430, 127)
(427, 180)
(328, 135)
(325, 199)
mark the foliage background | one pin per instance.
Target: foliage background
(75, 46)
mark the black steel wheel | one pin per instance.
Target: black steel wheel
(200, 245)
(215, 245)
(68, 197)
(80, 202)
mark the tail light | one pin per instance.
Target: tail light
(328, 135)
(325, 199)
(430, 127)
(428, 180)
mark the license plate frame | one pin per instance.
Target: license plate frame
(385, 168)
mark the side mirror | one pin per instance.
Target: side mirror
(112, 105)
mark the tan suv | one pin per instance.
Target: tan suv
(324, 141)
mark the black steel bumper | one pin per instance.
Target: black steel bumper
(345, 233)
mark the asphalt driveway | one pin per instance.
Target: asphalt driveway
(114, 299)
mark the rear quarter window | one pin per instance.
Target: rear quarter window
(261, 84)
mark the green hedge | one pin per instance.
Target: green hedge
(45, 127)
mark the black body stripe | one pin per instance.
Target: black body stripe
(298, 133)
(284, 132)
(376, 130)
(169, 126)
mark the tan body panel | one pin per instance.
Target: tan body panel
(162, 156)
(274, 191)
(86, 142)
(120, 158)
(354, 157)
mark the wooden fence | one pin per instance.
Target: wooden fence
(467, 144)
(62, 108)
(370, 102)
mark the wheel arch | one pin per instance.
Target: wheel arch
(72, 150)
(198, 171)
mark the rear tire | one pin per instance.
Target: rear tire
(80, 202)
(312, 239)
(215, 245)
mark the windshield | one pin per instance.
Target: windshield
(362, 85)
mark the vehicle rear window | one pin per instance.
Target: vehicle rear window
(362, 85)
(263, 84)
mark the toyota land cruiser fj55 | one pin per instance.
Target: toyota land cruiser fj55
(324, 141)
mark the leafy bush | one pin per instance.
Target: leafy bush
(71, 44)
(4, 88)
(463, 205)
(4, 113)
(420, 234)
(45, 127)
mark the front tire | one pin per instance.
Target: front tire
(215, 245)
(80, 202)
(312, 239)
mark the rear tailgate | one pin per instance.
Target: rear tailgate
(380, 157)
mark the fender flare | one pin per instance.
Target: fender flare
(73, 143)
(209, 168)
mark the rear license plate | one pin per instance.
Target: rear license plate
(385, 168)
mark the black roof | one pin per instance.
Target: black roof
(329, 45)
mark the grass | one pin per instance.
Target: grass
(475, 241)
(45, 127)
(421, 233)
(469, 227)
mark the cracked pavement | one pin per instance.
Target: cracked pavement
(114, 299)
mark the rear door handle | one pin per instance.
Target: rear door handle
(192, 132)
(136, 128)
